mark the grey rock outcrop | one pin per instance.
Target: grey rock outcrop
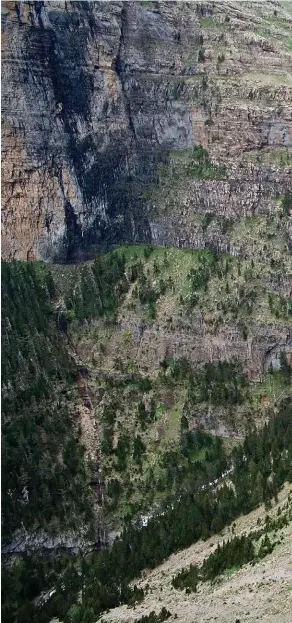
(84, 110)
(97, 96)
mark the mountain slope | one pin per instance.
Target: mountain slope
(45, 478)
(131, 377)
(171, 338)
(260, 592)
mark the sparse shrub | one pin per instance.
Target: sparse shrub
(226, 224)
(280, 306)
(209, 265)
(201, 55)
(147, 251)
(286, 204)
(244, 332)
(206, 220)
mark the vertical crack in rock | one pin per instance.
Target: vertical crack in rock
(120, 72)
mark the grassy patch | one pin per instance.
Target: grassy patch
(267, 78)
(270, 389)
(132, 252)
(210, 23)
(196, 163)
(172, 425)
(271, 157)
(147, 4)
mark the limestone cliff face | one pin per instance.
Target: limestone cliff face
(98, 96)
(84, 109)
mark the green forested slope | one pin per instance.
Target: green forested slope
(260, 466)
(171, 337)
(44, 479)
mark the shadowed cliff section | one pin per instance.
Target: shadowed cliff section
(81, 145)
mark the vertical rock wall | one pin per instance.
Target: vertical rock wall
(97, 96)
